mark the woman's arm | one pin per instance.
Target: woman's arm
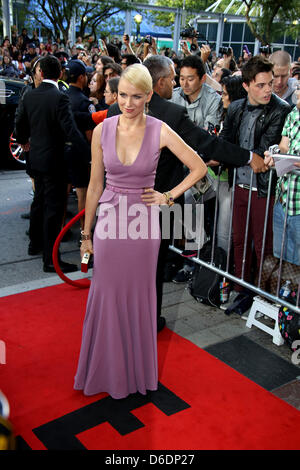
(284, 144)
(95, 189)
(187, 156)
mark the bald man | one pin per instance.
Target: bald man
(283, 85)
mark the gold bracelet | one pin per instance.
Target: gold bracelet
(84, 236)
(169, 198)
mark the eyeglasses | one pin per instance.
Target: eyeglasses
(123, 63)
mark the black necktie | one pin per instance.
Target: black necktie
(251, 107)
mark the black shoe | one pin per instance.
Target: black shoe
(182, 276)
(34, 250)
(170, 271)
(244, 305)
(161, 323)
(65, 267)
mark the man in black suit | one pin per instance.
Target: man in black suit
(170, 171)
(44, 125)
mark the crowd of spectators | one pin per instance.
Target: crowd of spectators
(16, 55)
(206, 93)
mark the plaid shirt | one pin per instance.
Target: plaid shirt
(291, 129)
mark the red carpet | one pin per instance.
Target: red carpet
(202, 403)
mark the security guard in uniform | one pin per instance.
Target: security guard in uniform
(78, 164)
(62, 84)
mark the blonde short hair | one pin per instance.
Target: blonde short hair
(139, 76)
(280, 58)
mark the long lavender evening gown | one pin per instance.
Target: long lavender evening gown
(119, 341)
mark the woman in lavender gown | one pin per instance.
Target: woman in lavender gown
(119, 340)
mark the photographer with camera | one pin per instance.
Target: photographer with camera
(194, 47)
(128, 55)
(265, 51)
(189, 35)
(227, 60)
(149, 47)
(85, 58)
(126, 42)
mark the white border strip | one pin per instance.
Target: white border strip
(40, 283)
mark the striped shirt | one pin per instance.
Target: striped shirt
(291, 129)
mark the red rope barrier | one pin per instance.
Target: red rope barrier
(81, 283)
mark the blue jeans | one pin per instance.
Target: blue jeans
(291, 251)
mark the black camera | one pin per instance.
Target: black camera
(225, 50)
(265, 50)
(189, 33)
(148, 40)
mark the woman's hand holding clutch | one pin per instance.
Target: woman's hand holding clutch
(86, 247)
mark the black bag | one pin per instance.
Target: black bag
(204, 284)
(289, 322)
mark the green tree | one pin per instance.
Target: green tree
(267, 19)
(191, 7)
(276, 16)
(165, 19)
(55, 16)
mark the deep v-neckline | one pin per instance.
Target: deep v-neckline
(142, 144)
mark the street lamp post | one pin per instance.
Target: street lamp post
(138, 19)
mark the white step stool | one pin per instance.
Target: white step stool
(263, 307)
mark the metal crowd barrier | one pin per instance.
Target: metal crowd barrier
(225, 273)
